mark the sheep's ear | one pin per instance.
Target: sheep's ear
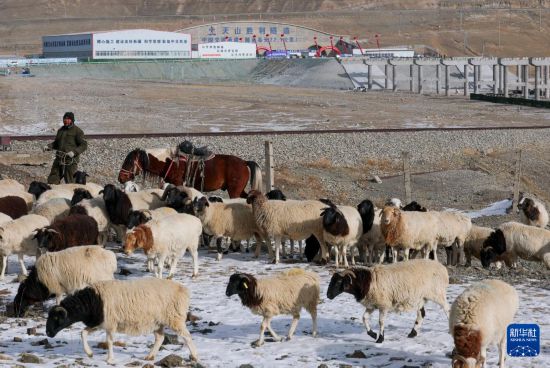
(53, 231)
(101, 191)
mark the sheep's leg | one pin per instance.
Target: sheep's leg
(381, 317)
(173, 264)
(159, 338)
(277, 249)
(110, 355)
(283, 248)
(219, 248)
(293, 326)
(406, 254)
(300, 244)
(84, 336)
(150, 265)
(275, 335)
(420, 314)
(195, 257)
(336, 257)
(483, 354)
(182, 330)
(22, 263)
(502, 352)
(345, 256)
(4, 265)
(292, 248)
(260, 341)
(313, 312)
(394, 255)
(160, 266)
(366, 318)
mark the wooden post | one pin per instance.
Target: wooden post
(407, 176)
(517, 181)
(269, 172)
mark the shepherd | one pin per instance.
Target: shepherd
(69, 144)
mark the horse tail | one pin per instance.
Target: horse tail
(256, 182)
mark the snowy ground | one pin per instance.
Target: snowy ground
(226, 329)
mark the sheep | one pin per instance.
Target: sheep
(342, 227)
(180, 198)
(452, 232)
(11, 191)
(16, 237)
(396, 287)
(13, 206)
(44, 192)
(11, 184)
(54, 209)
(80, 177)
(73, 230)
(143, 216)
(372, 240)
(532, 212)
(119, 204)
(84, 204)
(277, 194)
(512, 240)
(167, 238)
(4, 218)
(479, 318)
(133, 307)
(474, 242)
(131, 186)
(234, 220)
(295, 220)
(64, 272)
(285, 293)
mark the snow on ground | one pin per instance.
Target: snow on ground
(226, 329)
(494, 209)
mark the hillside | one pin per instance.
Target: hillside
(453, 27)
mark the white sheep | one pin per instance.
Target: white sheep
(67, 191)
(290, 219)
(285, 293)
(512, 240)
(233, 220)
(167, 238)
(479, 317)
(453, 229)
(64, 272)
(53, 209)
(474, 242)
(132, 307)
(532, 212)
(394, 288)
(11, 184)
(4, 218)
(131, 186)
(17, 237)
(373, 240)
(143, 216)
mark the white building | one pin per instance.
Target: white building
(227, 50)
(126, 44)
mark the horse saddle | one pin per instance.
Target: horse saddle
(199, 153)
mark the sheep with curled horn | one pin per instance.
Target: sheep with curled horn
(396, 287)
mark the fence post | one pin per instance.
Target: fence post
(517, 181)
(407, 176)
(269, 172)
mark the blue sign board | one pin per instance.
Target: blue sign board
(523, 340)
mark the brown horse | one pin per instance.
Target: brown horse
(223, 172)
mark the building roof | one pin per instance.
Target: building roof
(108, 31)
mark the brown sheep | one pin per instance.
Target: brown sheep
(68, 232)
(13, 206)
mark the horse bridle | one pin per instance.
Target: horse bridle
(137, 167)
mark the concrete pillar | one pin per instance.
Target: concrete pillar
(411, 75)
(420, 87)
(526, 81)
(495, 79)
(447, 81)
(505, 79)
(394, 78)
(476, 78)
(370, 76)
(501, 76)
(518, 73)
(466, 85)
(537, 82)
(386, 76)
(547, 80)
(437, 81)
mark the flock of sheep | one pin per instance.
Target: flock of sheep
(66, 227)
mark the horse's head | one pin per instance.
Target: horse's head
(134, 164)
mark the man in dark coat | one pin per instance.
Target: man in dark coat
(69, 143)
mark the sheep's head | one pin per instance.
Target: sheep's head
(80, 177)
(79, 194)
(253, 196)
(390, 215)
(139, 217)
(215, 199)
(276, 194)
(244, 285)
(366, 211)
(30, 291)
(394, 202)
(467, 352)
(527, 205)
(130, 242)
(339, 283)
(334, 221)
(37, 188)
(200, 205)
(44, 237)
(414, 206)
(131, 186)
(493, 246)
(58, 319)
(109, 193)
(139, 237)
